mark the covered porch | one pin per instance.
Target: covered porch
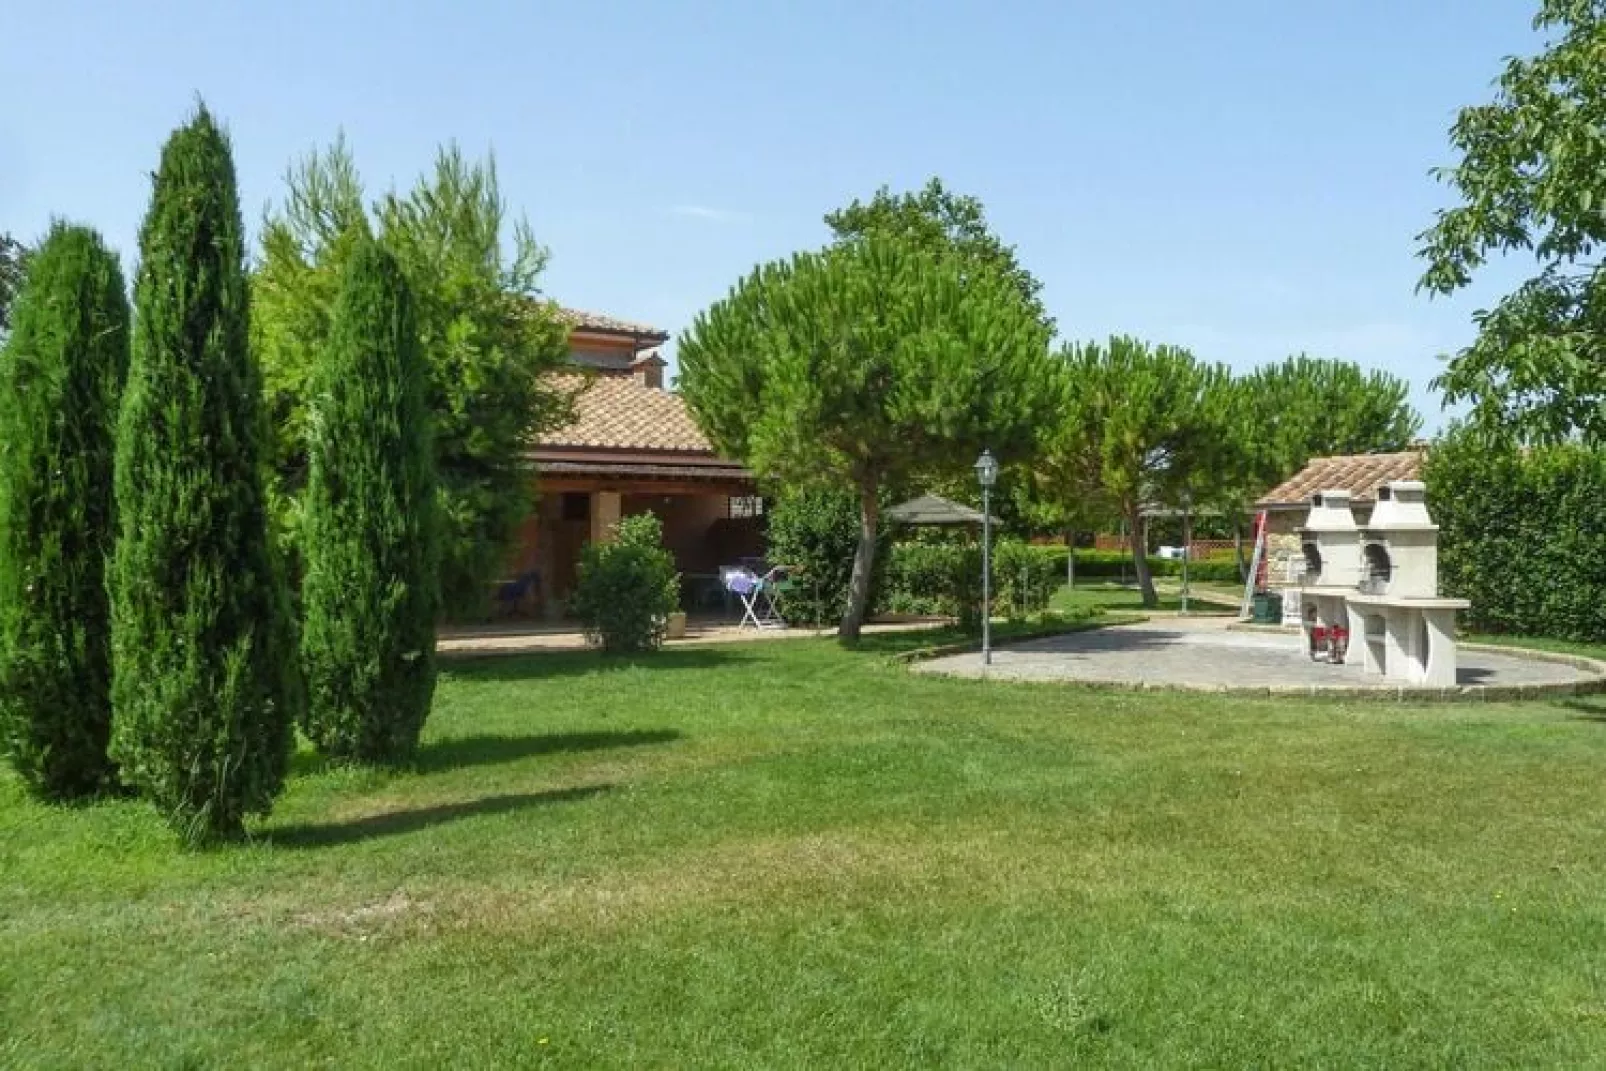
(710, 511)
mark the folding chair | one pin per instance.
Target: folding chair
(776, 581)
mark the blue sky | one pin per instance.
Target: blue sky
(1243, 177)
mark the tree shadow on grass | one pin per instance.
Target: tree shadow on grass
(392, 823)
(937, 635)
(488, 750)
(1586, 708)
(543, 665)
(901, 642)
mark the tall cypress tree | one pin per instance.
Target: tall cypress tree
(60, 376)
(203, 687)
(371, 549)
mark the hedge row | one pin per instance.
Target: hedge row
(1103, 564)
(945, 578)
(817, 531)
(1522, 535)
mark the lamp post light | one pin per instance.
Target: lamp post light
(987, 474)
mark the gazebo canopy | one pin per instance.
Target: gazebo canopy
(932, 511)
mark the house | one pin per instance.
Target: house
(1287, 505)
(632, 447)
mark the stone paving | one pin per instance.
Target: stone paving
(1203, 653)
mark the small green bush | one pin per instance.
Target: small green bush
(1025, 577)
(627, 588)
(934, 578)
(817, 532)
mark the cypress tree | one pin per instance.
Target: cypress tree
(60, 375)
(371, 549)
(203, 689)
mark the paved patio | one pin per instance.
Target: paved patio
(1206, 654)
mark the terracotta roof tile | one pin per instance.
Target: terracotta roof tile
(619, 412)
(580, 320)
(1359, 474)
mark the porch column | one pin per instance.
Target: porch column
(605, 507)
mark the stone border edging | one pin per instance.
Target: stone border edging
(1460, 693)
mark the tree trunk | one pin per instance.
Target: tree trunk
(1070, 558)
(863, 566)
(1140, 557)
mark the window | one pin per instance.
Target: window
(744, 506)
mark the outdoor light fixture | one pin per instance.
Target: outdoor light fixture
(987, 475)
(987, 469)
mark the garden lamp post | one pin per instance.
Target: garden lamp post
(987, 474)
(1187, 542)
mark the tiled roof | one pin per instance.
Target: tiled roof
(1359, 474)
(619, 412)
(580, 320)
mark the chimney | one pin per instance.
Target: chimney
(649, 370)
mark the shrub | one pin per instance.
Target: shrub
(1522, 534)
(945, 578)
(1025, 577)
(371, 551)
(817, 532)
(203, 690)
(934, 578)
(627, 588)
(60, 375)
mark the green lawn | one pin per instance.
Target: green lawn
(784, 854)
(1096, 595)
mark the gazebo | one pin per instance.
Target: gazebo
(933, 511)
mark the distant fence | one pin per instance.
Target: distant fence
(1199, 549)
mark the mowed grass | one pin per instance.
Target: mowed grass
(1099, 596)
(789, 855)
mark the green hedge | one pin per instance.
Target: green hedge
(1522, 535)
(1106, 564)
(945, 578)
(933, 578)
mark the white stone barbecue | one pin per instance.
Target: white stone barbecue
(1381, 583)
(1331, 544)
